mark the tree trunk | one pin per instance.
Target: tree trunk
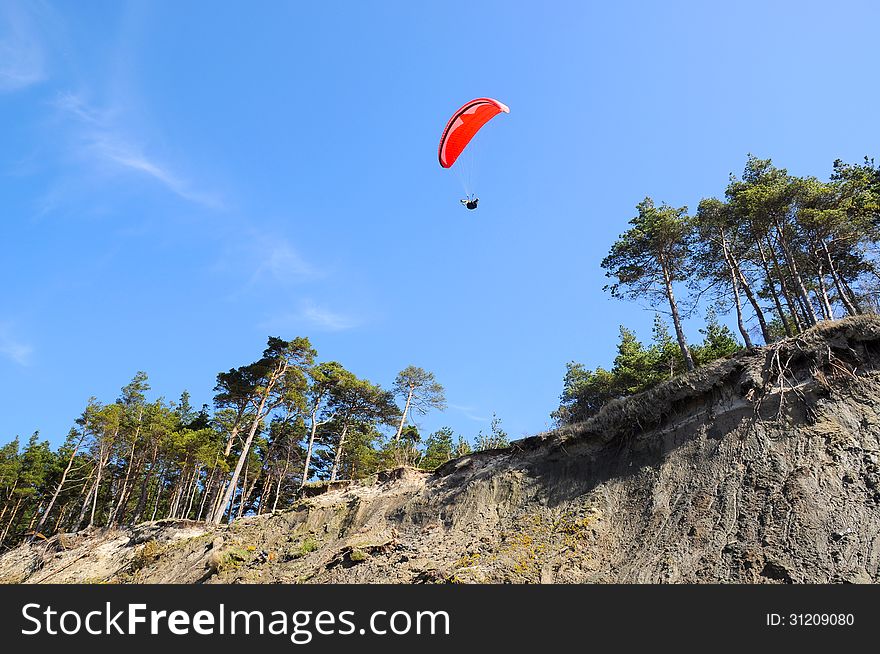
(193, 491)
(264, 493)
(739, 317)
(338, 458)
(229, 441)
(181, 491)
(246, 494)
(403, 416)
(277, 493)
(765, 331)
(734, 282)
(825, 305)
(97, 484)
(851, 293)
(11, 521)
(122, 511)
(34, 516)
(804, 309)
(85, 500)
(145, 486)
(217, 497)
(209, 488)
(795, 309)
(812, 319)
(246, 448)
(8, 499)
(848, 304)
(185, 484)
(123, 494)
(281, 479)
(314, 430)
(61, 514)
(241, 498)
(176, 494)
(770, 285)
(676, 319)
(59, 486)
(159, 488)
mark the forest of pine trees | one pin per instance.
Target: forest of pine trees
(779, 253)
(277, 424)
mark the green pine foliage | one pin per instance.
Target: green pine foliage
(139, 458)
(636, 368)
(718, 341)
(777, 255)
(496, 439)
(439, 448)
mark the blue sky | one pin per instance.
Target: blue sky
(181, 180)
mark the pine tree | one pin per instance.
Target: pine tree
(650, 258)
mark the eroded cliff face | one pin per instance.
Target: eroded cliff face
(760, 468)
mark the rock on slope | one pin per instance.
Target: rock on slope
(761, 468)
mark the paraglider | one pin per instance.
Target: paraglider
(470, 202)
(461, 128)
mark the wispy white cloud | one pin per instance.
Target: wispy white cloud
(326, 319)
(76, 107)
(313, 316)
(12, 348)
(261, 264)
(469, 412)
(280, 261)
(22, 51)
(111, 148)
(100, 140)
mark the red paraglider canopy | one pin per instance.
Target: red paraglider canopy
(464, 123)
